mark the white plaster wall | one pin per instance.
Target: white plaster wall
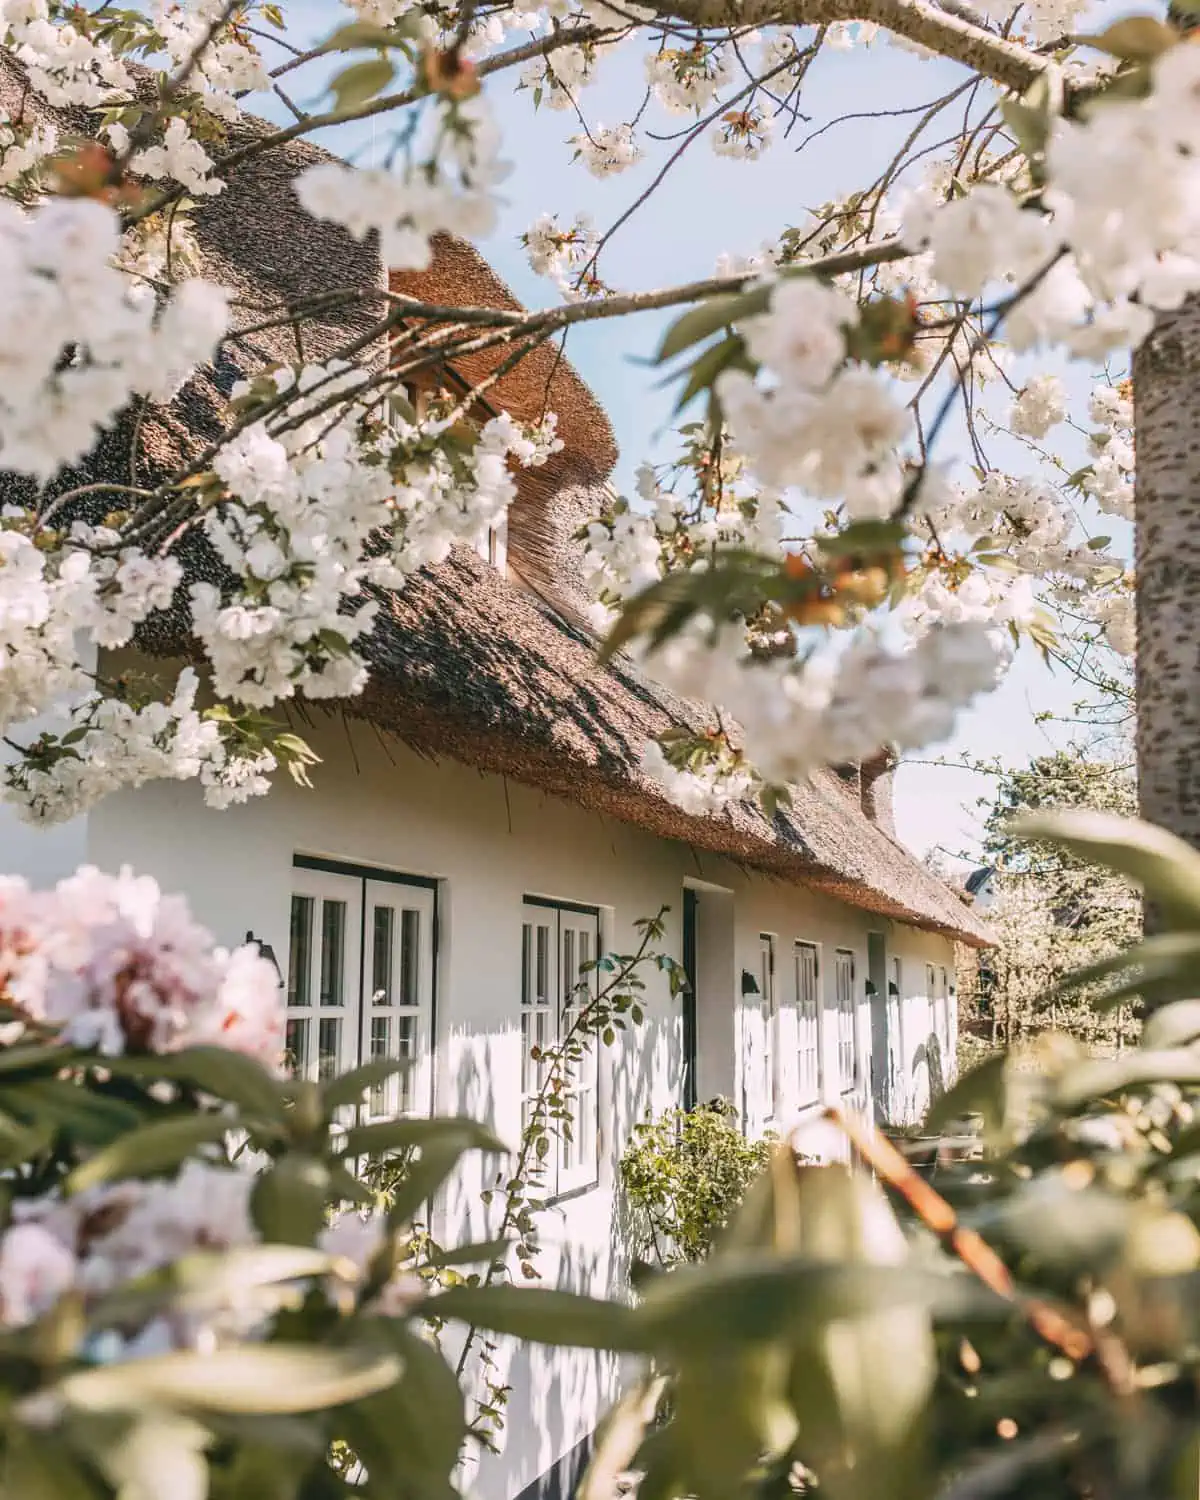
(489, 843)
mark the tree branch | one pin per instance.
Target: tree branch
(952, 36)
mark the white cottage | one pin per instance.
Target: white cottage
(479, 826)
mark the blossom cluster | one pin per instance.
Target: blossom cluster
(449, 190)
(115, 965)
(830, 427)
(108, 744)
(557, 252)
(320, 511)
(606, 150)
(80, 338)
(96, 1241)
(110, 965)
(228, 66)
(1114, 235)
(835, 701)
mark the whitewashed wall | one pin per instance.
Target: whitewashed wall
(489, 843)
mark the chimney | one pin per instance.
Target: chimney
(877, 773)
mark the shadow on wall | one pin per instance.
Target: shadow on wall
(556, 1396)
(930, 1055)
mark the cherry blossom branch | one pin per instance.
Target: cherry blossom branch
(804, 59)
(951, 35)
(383, 104)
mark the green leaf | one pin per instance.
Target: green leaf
(361, 81)
(218, 1071)
(252, 1378)
(289, 1200)
(710, 316)
(1166, 868)
(759, 1298)
(410, 1436)
(199, 1280)
(154, 1149)
(1097, 1078)
(543, 1316)
(1133, 38)
(35, 1057)
(1173, 1025)
(33, 1468)
(351, 1087)
(84, 1115)
(422, 1179)
(865, 537)
(359, 34)
(404, 1135)
(736, 584)
(702, 373)
(981, 1091)
(484, 1251)
(1159, 958)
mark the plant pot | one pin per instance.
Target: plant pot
(920, 1151)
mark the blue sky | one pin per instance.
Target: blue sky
(706, 206)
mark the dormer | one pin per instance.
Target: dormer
(536, 544)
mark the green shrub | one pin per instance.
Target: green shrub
(684, 1176)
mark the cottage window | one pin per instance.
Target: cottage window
(849, 1071)
(560, 947)
(361, 979)
(808, 1022)
(493, 548)
(945, 1018)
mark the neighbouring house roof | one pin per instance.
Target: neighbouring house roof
(466, 662)
(977, 879)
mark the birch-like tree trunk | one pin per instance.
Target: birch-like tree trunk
(1167, 423)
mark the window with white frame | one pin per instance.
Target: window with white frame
(560, 945)
(361, 979)
(808, 1022)
(847, 1029)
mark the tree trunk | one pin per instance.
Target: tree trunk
(1167, 424)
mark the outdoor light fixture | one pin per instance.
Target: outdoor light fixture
(749, 983)
(266, 952)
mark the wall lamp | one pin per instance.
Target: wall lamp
(266, 951)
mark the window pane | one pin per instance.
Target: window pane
(333, 938)
(328, 1046)
(410, 935)
(527, 964)
(381, 957)
(570, 973)
(542, 991)
(406, 1048)
(300, 954)
(295, 1057)
(381, 1046)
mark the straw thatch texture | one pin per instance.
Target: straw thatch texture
(467, 663)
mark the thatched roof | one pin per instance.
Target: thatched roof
(465, 662)
(467, 665)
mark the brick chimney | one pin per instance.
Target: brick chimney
(877, 773)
